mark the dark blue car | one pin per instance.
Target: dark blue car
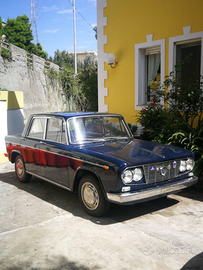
(96, 155)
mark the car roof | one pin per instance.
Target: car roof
(75, 114)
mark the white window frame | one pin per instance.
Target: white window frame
(140, 73)
(187, 36)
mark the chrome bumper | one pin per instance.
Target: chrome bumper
(151, 193)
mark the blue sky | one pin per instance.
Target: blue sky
(55, 22)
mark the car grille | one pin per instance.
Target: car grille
(162, 171)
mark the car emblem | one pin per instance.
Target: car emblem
(174, 164)
(163, 170)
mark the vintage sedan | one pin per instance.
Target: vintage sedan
(96, 155)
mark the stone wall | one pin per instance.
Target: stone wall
(39, 92)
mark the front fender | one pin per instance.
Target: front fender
(107, 178)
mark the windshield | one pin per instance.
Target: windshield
(85, 129)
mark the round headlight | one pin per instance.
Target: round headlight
(127, 177)
(190, 164)
(137, 174)
(183, 166)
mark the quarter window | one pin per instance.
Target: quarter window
(37, 128)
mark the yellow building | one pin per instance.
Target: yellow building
(147, 39)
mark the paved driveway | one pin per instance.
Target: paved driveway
(43, 227)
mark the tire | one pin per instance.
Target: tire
(91, 196)
(20, 170)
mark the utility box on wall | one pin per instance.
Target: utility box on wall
(11, 117)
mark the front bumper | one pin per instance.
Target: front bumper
(151, 193)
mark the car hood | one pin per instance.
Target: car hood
(138, 151)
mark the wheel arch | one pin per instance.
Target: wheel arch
(82, 172)
(14, 155)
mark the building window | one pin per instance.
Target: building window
(191, 51)
(183, 46)
(149, 66)
(153, 63)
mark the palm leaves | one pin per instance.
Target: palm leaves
(193, 141)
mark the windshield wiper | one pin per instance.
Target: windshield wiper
(117, 138)
(90, 140)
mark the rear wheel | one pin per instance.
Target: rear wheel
(20, 170)
(91, 196)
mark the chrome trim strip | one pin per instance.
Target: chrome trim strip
(52, 182)
(152, 192)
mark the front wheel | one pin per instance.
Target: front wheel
(91, 196)
(20, 170)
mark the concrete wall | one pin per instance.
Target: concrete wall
(39, 92)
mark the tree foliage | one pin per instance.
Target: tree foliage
(38, 50)
(18, 32)
(83, 86)
(64, 59)
(1, 28)
(88, 78)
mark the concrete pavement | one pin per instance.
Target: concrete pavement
(44, 227)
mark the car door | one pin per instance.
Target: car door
(53, 152)
(31, 145)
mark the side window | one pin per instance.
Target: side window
(37, 128)
(56, 130)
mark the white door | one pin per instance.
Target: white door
(3, 125)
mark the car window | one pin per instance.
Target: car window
(37, 128)
(114, 126)
(96, 128)
(56, 130)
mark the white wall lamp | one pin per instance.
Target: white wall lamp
(110, 59)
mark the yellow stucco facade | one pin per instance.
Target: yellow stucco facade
(14, 100)
(130, 23)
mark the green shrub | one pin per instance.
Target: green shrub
(6, 54)
(133, 128)
(192, 141)
(182, 123)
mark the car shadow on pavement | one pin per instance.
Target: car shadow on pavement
(121, 213)
(192, 193)
(56, 262)
(69, 201)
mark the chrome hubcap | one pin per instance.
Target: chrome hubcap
(90, 196)
(19, 168)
